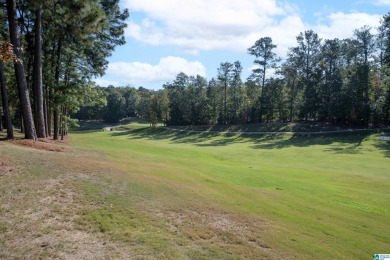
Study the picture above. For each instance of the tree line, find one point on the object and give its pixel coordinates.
(331, 80)
(56, 47)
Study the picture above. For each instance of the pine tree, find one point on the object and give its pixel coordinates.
(29, 126)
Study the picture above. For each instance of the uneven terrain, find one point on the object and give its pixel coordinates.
(142, 193)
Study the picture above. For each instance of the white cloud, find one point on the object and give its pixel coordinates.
(342, 25)
(198, 25)
(146, 32)
(138, 73)
(382, 2)
(284, 33)
(104, 83)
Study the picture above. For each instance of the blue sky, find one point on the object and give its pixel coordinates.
(166, 37)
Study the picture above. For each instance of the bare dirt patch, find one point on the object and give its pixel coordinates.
(6, 167)
(229, 231)
(40, 207)
(46, 144)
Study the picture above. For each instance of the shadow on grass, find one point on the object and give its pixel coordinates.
(384, 146)
(298, 126)
(349, 143)
(89, 125)
(206, 139)
(162, 134)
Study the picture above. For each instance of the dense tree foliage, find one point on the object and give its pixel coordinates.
(57, 47)
(330, 80)
(266, 59)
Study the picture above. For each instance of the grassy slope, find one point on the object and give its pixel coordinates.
(154, 194)
(42, 206)
(185, 195)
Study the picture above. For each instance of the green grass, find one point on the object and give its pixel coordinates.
(298, 196)
(85, 125)
(137, 124)
(126, 124)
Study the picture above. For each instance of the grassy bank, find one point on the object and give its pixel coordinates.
(286, 195)
(156, 194)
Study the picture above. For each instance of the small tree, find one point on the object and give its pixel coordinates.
(115, 107)
(266, 59)
(163, 103)
(224, 75)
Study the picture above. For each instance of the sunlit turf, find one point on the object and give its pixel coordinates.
(311, 197)
(125, 124)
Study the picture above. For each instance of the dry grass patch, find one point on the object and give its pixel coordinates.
(213, 230)
(6, 166)
(46, 144)
(40, 205)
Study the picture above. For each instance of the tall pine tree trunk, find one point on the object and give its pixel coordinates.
(57, 81)
(292, 100)
(367, 111)
(262, 98)
(40, 117)
(45, 109)
(4, 97)
(387, 107)
(29, 127)
(225, 105)
(55, 122)
(1, 122)
(61, 125)
(64, 124)
(49, 110)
